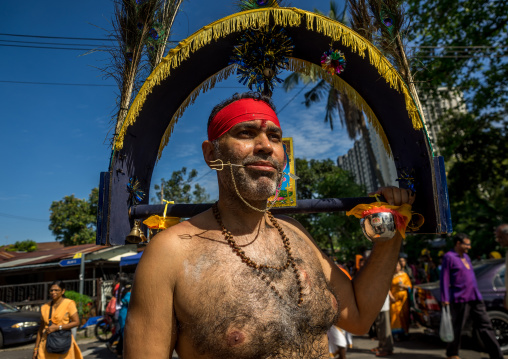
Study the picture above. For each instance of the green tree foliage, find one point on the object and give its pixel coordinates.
(73, 220)
(477, 177)
(23, 246)
(83, 303)
(334, 232)
(462, 47)
(179, 188)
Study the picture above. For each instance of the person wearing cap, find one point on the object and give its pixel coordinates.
(236, 281)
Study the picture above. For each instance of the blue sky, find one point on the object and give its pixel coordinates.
(56, 138)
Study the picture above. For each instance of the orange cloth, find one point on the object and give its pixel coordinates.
(399, 310)
(158, 222)
(345, 272)
(357, 261)
(60, 316)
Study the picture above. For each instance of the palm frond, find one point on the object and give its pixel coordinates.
(333, 107)
(333, 13)
(354, 118)
(292, 81)
(361, 19)
(317, 93)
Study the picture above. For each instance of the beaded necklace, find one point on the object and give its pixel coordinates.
(261, 268)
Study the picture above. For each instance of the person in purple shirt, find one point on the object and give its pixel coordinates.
(460, 291)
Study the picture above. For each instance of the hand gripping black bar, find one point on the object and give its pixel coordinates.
(303, 206)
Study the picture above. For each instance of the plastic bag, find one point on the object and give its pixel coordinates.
(111, 307)
(446, 326)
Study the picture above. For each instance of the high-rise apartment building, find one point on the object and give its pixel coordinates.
(434, 108)
(357, 160)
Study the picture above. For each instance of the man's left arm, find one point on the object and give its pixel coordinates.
(361, 299)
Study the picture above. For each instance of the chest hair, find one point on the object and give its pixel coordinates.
(236, 313)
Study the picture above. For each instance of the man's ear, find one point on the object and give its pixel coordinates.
(208, 152)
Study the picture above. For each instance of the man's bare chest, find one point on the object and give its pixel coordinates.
(229, 309)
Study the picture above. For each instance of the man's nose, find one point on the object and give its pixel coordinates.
(263, 143)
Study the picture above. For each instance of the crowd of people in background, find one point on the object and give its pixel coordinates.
(117, 308)
(395, 319)
(391, 325)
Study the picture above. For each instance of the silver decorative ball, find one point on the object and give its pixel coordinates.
(379, 227)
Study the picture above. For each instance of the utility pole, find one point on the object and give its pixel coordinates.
(82, 274)
(162, 192)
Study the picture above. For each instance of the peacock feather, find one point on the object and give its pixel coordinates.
(389, 20)
(245, 5)
(158, 34)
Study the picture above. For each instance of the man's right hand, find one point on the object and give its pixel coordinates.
(446, 303)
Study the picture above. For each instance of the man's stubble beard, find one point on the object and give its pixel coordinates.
(252, 186)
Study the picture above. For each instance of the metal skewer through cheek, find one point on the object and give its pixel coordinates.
(220, 166)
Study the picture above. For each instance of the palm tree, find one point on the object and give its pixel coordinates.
(337, 104)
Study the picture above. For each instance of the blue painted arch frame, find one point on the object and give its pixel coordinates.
(169, 86)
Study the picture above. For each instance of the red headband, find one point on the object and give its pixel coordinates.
(247, 109)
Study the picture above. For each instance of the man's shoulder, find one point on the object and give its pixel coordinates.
(176, 239)
(173, 237)
(292, 223)
(298, 228)
(450, 254)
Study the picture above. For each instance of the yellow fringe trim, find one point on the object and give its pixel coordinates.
(306, 67)
(206, 85)
(288, 17)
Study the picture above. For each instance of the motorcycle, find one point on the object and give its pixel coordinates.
(105, 328)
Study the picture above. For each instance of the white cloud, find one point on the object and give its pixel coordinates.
(15, 197)
(312, 137)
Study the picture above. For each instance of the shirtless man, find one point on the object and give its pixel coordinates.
(234, 282)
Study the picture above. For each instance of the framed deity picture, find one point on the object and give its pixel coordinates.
(285, 196)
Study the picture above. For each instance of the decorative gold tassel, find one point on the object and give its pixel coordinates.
(288, 17)
(206, 85)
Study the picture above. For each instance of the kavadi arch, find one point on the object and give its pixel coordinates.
(369, 80)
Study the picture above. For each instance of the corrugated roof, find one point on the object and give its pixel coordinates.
(5, 255)
(46, 255)
(22, 261)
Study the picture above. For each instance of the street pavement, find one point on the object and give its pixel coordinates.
(91, 348)
(419, 346)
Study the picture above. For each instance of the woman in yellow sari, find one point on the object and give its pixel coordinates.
(399, 303)
(64, 316)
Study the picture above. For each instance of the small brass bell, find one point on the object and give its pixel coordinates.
(136, 235)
